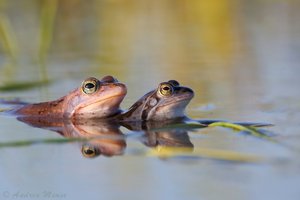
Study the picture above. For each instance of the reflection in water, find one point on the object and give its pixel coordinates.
(160, 133)
(105, 138)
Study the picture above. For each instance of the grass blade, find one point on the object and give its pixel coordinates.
(16, 86)
(249, 129)
(8, 38)
(22, 143)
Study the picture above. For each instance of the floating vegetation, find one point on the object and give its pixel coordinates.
(15, 86)
(254, 131)
(250, 128)
(21, 143)
(187, 126)
(2, 110)
(246, 124)
(225, 155)
(159, 151)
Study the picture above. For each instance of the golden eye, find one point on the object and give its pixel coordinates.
(89, 86)
(89, 151)
(165, 89)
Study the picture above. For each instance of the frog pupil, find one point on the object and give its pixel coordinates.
(89, 151)
(89, 85)
(166, 88)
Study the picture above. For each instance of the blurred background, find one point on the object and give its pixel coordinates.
(223, 49)
(240, 57)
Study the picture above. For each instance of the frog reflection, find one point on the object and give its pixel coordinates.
(160, 134)
(103, 137)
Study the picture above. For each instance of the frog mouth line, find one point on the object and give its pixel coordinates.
(97, 102)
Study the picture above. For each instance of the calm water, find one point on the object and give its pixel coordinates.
(241, 58)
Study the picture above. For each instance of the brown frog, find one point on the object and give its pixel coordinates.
(93, 99)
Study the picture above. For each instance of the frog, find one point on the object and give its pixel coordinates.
(167, 101)
(92, 99)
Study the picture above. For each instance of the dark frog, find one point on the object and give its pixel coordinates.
(167, 101)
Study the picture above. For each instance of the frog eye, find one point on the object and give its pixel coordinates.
(89, 86)
(89, 151)
(166, 89)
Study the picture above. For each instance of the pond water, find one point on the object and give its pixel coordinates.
(241, 58)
